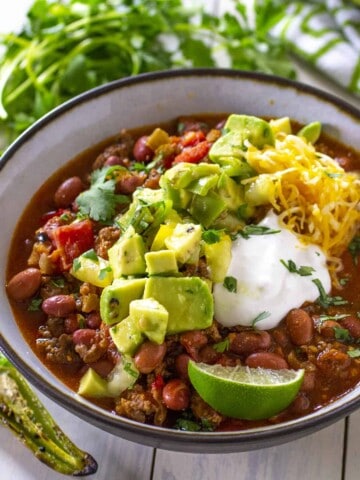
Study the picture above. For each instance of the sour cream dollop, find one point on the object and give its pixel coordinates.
(265, 288)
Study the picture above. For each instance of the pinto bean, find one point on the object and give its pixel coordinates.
(300, 326)
(68, 191)
(193, 341)
(352, 324)
(181, 365)
(142, 152)
(266, 360)
(24, 284)
(176, 395)
(59, 305)
(149, 356)
(247, 342)
(84, 336)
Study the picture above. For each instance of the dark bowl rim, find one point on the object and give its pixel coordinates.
(146, 434)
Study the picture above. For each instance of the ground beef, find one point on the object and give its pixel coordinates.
(105, 239)
(203, 411)
(122, 150)
(58, 350)
(140, 405)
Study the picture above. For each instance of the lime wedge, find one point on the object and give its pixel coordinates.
(243, 392)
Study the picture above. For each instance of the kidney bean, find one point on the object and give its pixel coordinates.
(176, 395)
(59, 305)
(24, 284)
(246, 342)
(102, 367)
(308, 383)
(141, 151)
(209, 355)
(352, 324)
(181, 365)
(84, 336)
(266, 360)
(113, 160)
(333, 362)
(71, 323)
(149, 356)
(193, 341)
(68, 191)
(93, 320)
(300, 326)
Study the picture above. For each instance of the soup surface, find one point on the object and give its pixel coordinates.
(226, 240)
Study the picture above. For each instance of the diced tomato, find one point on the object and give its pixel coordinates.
(158, 383)
(72, 240)
(193, 154)
(54, 213)
(189, 139)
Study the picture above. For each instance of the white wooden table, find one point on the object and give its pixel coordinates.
(330, 454)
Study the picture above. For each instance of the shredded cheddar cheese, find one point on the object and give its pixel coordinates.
(313, 195)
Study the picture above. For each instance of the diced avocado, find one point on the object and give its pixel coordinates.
(261, 191)
(92, 385)
(254, 129)
(126, 256)
(115, 299)
(162, 234)
(206, 209)
(228, 150)
(185, 241)
(161, 262)
(179, 197)
(231, 192)
(202, 185)
(151, 318)
(281, 125)
(122, 376)
(182, 175)
(126, 336)
(93, 269)
(218, 257)
(188, 301)
(310, 132)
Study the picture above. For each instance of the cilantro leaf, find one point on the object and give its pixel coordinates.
(326, 300)
(354, 353)
(260, 317)
(354, 248)
(303, 271)
(230, 283)
(250, 230)
(211, 236)
(222, 346)
(100, 201)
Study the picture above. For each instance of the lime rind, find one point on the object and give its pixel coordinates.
(244, 392)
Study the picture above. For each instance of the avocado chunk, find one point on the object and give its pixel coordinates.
(161, 262)
(126, 336)
(126, 256)
(311, 132)
(151, 318)
(185, 242)
(218, 257)
(188, 301)
(115, 299)
(92, 385)
(281, 124)
(91, 268)
(254, 129)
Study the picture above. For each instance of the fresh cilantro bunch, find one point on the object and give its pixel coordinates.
(71, 46)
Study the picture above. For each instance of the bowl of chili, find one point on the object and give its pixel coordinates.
(148, 189)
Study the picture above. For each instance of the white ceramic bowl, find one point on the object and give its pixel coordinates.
(143, 100)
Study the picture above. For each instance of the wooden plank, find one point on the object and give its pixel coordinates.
(317, 456)
(352, 460)
(117, 458)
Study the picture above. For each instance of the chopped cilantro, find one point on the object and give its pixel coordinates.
(76, 264)
(326, 300)
(250, 230)
(342, 334)
(221, 347)
(354, 248)
(91, 255)
(338, 316)
(260, 317)
(100, 201)
(230, 283)
(211, 236)
(35, 305)
(104, 271)
(303, 271)
(58, 282)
